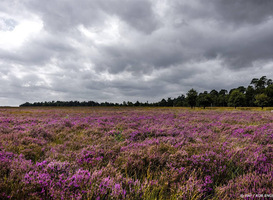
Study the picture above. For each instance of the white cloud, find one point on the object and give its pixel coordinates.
(25, 30)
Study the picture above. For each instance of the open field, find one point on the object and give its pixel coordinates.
(135, 153)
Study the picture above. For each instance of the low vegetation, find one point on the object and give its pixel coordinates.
(135, 153)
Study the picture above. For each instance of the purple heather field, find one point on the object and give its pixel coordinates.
(135, 153)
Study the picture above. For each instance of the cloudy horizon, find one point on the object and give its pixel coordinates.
(121, 50)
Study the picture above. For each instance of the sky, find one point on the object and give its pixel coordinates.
(129, 50)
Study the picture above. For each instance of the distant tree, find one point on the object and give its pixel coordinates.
(146, 103)
(204, 99)
(170, 102)
(241, 89)
(222, 97)
(214, 92)
(163, 102)
(269, 93)
(231, 90)
(261, 100)
(260, 84)
(269, 82)
(242, 96)
(236, 99)
(192, 97)
(129, 103)
(222, 100)
(137, 103)
(223, 92)
(214, 97)
(254, 82)
(180, 100)
(26, 104)
(250, 96)
(92, 103)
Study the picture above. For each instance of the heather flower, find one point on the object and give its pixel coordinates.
(140, 153)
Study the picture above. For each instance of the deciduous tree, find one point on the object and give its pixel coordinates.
(192, 97)
(236, 99)
(261, 100)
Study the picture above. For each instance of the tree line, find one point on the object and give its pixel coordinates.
(258, 93)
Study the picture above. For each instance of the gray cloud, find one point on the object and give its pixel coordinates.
(242, 11)
(232, 12)
(115, 50)
(62, 15)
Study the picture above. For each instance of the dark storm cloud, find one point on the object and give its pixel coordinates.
(142, 58)
(245, 46)
(145, 55)
(138, 14)
(62, 15)
(115, 50)
(235, 12)
(244, 11)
